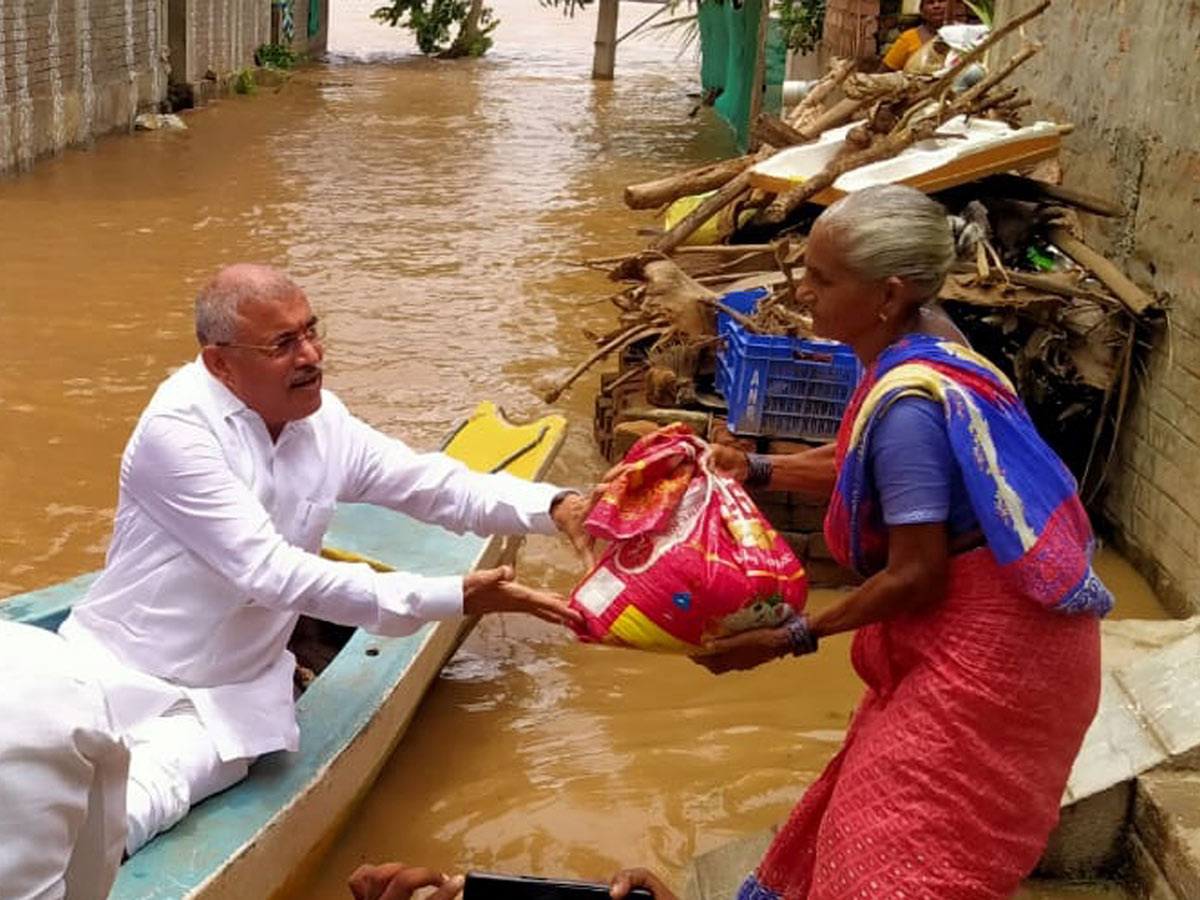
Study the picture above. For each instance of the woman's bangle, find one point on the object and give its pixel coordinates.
(758, 470)
(801, 640)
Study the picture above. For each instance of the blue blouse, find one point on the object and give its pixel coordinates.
(916, 476)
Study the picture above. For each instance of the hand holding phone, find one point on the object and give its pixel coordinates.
(489, 886)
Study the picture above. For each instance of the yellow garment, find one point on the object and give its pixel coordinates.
(906, 45)
(930, 59)
(713, 231)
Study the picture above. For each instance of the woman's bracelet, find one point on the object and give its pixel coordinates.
(801, 640)
(758, 470)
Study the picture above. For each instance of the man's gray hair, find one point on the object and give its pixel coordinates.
(892, 230)
(218, 302)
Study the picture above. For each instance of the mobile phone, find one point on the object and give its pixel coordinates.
(489, 886)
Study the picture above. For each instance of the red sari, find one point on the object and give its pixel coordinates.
(950, 778)
(949, 781)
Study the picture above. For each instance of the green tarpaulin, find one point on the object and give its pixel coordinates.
(314, 17)
(728, 51)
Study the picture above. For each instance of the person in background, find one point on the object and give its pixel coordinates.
(934, 14)
(63, 768)
(227, 486)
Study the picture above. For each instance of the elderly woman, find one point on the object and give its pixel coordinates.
(977, 624)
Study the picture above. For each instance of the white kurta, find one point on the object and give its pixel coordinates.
(214, 553)
(62, 773)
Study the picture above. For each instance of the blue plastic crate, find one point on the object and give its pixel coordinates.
(781, 386)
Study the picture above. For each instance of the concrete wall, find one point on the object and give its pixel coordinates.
(72, 69)
(211, 40)
(1127, 73)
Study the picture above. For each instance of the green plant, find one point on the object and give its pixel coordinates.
(984, 9)
(475, 37)
(243, 82)
(802, 22)
(453, 28)
(430, 21)
(568, 7)
(277, 56)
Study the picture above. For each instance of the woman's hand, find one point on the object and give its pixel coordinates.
(628, 879)
(396, 881)
(731, 461)
(747, 650)
(569, 513)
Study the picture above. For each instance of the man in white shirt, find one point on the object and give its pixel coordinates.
(227, 485)
(63, 772)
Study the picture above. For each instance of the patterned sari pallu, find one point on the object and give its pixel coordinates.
(689, 555)
(1023, 496)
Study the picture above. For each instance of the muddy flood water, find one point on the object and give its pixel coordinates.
(431, 210)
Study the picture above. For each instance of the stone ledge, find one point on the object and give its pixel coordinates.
(717, 875)
(1166, 820)
(1143, 875)
(1090, 839)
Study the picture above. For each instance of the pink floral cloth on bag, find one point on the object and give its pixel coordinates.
(690, 556)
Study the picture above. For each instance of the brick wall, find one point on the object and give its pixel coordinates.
(72, 69)
(859, 29)
(1128, 75)
(851, 27)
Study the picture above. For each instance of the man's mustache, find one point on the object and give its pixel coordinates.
(305, 374)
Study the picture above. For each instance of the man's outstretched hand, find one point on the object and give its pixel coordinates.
(395, 881)
(494, 590)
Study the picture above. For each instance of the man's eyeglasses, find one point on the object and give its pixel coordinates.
(287, 345)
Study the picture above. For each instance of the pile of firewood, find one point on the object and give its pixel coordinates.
(1068, 337)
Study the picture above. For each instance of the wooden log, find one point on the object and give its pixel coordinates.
(773, 130)
(653, 194)
(976, 93)
(1137, 300)
(948, 78)
(696, 420)
(807, 108)
(1051, 285)
(839, 114)
(732, 249)
(874, 87)
(687, 226)
(886, 147)
(905, 134)
(1019, 187)
(626, 337)
(723, 265)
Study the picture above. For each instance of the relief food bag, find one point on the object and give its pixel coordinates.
(689, 557)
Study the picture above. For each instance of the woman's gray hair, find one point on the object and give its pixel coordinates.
(892, 230)
(219, 300)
